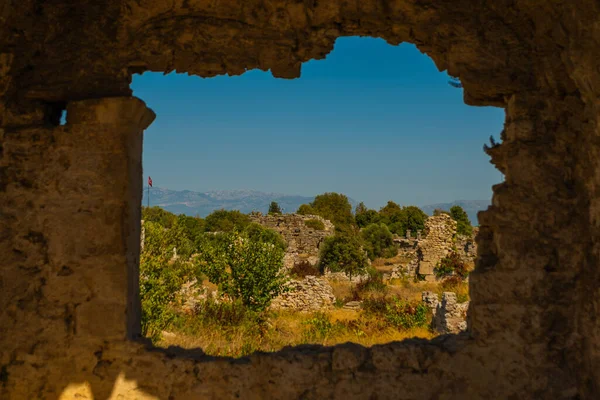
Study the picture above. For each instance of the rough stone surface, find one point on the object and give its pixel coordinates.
(438, 242)
(69, 241)
(309, 294)
(449, 316)
(302, 241)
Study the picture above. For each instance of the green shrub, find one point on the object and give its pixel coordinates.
(226, 221)
(334, 207)
(400, 219)
(405, 314)
(374, 283)
(158, 215)
(378, 241)
(463, 226)
(244, 269)
(343, 253)
(259, 233)
(451, 265)
(274, 208)
(223, 313)
(315, 224)
(161, 278)
(318, 328)
(302, 269)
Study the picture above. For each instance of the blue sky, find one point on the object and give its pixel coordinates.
(373, 121)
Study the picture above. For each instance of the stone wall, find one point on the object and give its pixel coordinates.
(436, 243)
(70, 241)
(309, 294)
(449, 316)
(302, 242)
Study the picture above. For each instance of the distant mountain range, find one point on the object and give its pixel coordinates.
(202, 204)
(471, 207)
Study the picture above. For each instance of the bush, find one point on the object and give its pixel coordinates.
(259, 233)
(451, 265)
(302, 269)
(397, 312)
(367, 218)
(317, 328)
(223, 313)
(315, 224)
(463, 226)
(158, 215)
(374, 283)
(332, 206)
(343, 253)
(379, 241)
(226, 221)
(274, 208)
(161, 278)
(244, 269)
(405, 314)
(400, 219)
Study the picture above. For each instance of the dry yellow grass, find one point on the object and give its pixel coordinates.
(290, 329)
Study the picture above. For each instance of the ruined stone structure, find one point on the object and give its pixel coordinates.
(302, 241)
(439, 241)
(69, 309)
(309, 294)
(439, 231)
(449, 316)
(466, 246)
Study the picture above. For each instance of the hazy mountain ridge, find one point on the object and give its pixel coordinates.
(471, 207)
(198, 203)
(202, 204)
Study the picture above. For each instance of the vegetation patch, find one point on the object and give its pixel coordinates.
(315, 224)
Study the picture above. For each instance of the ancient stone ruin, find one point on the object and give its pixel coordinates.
(439, 231)
(69, 305)
(439, 240)
(309, 294)
(302, 240)
(449, 316)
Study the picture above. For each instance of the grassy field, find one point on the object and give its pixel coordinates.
(391, 311)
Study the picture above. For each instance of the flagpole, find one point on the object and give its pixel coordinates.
(148, 196)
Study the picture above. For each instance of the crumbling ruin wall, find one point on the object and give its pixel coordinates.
(449, 316)
(70, 242)
(309, 294)
(439, 232)
(438, 242)
(303, 242)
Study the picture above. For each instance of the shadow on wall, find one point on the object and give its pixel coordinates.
(132, 370)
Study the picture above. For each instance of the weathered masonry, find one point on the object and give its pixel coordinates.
(69, 241)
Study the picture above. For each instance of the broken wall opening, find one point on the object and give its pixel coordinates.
(320, 130)
(533, 327)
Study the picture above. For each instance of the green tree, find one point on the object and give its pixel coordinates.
(259, 233)
(343, 253)
(305, 209)
(400, 219)
(378, 241)
(158, 215)
(464, 226)
(274, 208)
(336, 208)
(360, 209)
(226, 221)
(193, 227)
(367, 218)
(161, 277)
(244, 269)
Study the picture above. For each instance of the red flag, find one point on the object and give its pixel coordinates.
(149, 181)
